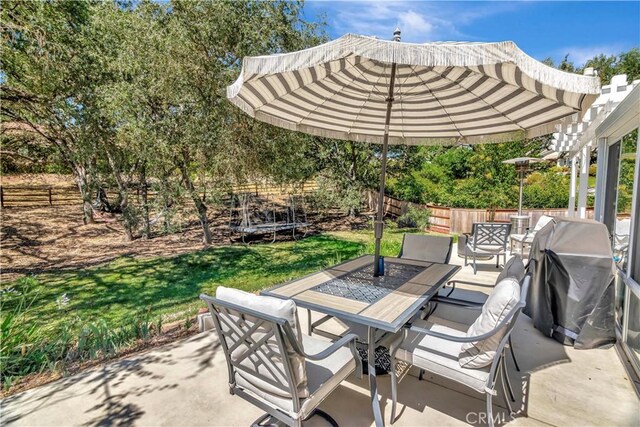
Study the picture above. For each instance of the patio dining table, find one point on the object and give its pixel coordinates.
(349, 291)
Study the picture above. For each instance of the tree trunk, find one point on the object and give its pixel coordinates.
(127, 215)
(201, 208)
(146, 227)
(353, 176)
(85, 193)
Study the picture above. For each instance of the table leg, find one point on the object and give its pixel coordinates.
(373, 386)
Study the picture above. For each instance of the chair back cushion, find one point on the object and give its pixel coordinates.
(504, 297)
(253, 344)
(426, 248)
(513, 268)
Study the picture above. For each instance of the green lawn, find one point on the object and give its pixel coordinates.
(84, 313)
(170, 286)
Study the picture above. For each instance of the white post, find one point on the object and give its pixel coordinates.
(601, 174)
(584, 181)
(572, 188)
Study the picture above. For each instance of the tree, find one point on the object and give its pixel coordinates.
(49, 74)
(629, 63)
(604, 65)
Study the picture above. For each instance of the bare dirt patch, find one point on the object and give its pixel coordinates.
(36, 240)
(38, 179)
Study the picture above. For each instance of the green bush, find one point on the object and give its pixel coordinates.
(546, 190)
(329, 194)
(415, 217)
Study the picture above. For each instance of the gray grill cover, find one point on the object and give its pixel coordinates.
(571, 297)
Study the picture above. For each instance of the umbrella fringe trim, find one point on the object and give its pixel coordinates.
(429, 54)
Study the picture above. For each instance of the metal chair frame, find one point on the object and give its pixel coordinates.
(234, 317)
(498, 366)
(488, 234)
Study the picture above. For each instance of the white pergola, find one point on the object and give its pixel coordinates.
(576, 138)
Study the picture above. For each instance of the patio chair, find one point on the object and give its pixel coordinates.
(475, 357)
(527, 237)
(487, 239)
(271, 364)
(426, 248)
(469, 301)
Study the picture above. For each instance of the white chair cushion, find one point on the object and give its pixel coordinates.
(323, 377)
(501, 301)
(276, 307)
(440, 356)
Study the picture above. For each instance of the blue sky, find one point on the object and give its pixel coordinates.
(541, 29)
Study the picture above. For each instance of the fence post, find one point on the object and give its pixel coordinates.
(1, 196)
(50, 197)
(256, 189)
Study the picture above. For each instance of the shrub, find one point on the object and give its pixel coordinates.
(546, 190)
(415, 217)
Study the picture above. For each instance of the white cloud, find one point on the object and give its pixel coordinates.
(419, 21)
(581, 54)
(414, 23)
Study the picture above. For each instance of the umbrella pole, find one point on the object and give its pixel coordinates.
(379, 223)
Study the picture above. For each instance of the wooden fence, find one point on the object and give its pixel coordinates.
(46, 195)
(38, 195)
(459, 220)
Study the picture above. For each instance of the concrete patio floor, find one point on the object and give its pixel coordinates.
(185, 383)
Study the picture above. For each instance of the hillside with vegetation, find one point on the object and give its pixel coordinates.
(132, 96)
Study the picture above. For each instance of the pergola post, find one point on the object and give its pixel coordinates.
(572, 187)
(585, 157)
(600, 179)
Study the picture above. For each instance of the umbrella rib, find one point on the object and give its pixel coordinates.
(290, 91)
(355, 67)
(482, 100)
(363, 105)
(400, 87)
(320, 104)
(438, 101)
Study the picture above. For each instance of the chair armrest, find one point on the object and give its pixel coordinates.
(464, 282)
(347, 339)
(457, 302)
(452, 284)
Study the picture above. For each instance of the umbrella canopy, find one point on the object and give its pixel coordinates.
(361, 88)
(445, 93)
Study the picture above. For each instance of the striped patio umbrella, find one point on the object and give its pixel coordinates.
(361, 88)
